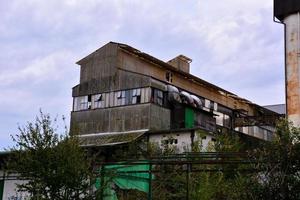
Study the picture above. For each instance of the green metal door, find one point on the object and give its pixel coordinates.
(189, 118)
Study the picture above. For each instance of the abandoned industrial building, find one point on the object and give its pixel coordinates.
(125, 94)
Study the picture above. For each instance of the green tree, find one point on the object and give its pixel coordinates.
(223, 181)
(54, 166)
(279, 161)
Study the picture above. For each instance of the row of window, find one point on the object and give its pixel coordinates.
(145, 95)
(118, 98)
(256, 131)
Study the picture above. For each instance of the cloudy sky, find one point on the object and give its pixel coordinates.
(233, 43)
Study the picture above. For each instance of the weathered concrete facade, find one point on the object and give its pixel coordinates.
(122, 89)
(120, 119)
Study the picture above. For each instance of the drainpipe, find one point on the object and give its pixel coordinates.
(285, 61)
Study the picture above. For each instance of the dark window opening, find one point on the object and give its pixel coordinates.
(169, 77)
(89, 101)
(136, 96)
(158, 97)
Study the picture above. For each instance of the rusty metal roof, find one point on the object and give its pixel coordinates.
(110, 139)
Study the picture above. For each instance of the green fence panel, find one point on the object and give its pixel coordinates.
(126, 177)
(131, 176)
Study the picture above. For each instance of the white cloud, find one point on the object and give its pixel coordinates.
(50, 67)
(233, 43)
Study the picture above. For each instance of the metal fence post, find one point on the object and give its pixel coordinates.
(150, 182)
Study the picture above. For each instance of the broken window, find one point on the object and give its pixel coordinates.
(121, 98)
(98, 101)
(227, 121)
(170, 141)
(222, 119)
(209, 105)
(219, 118)
(158, 97)
(136, 96)
(89, 103)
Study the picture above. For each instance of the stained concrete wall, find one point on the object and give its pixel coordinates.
(160, 118)
(100, 64)
(112, 68)
(184, 141)
(101, 72)
(117, 119)
(121, 81)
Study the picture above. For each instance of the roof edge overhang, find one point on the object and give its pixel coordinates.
(134, 135)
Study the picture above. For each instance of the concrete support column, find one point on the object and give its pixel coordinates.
(293, 67)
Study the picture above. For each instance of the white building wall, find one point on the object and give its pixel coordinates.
(182, 141)
(10, 188)
(10, 191)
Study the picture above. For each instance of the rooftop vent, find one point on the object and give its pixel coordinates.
(181, 62)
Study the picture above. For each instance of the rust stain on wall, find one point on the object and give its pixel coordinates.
(293, 99)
